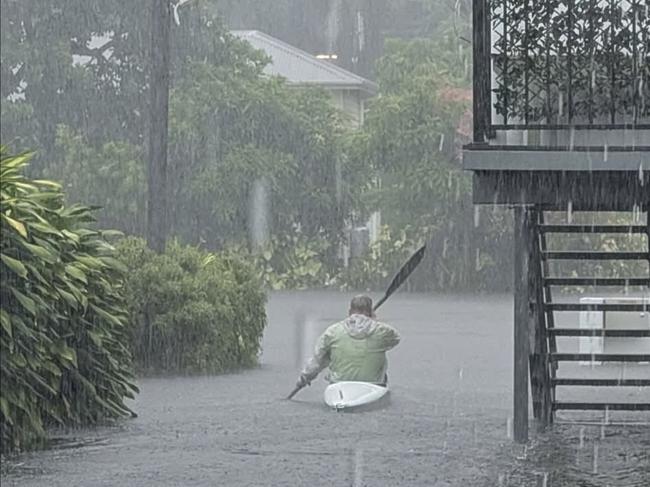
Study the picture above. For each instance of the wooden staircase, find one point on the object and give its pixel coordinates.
(545, 358)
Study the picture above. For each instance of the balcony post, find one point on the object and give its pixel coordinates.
(481, 70)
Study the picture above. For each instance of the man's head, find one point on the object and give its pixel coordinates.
(361, 305)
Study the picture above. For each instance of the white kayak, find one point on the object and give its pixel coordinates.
(346, 395)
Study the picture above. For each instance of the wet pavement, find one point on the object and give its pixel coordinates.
(447, 424)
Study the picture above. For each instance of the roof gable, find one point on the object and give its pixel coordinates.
(300, 67)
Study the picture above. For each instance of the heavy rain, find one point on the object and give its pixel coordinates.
(325, 242)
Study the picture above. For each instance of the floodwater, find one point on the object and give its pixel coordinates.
(447, 424)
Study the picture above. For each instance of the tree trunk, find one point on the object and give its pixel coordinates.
(157, 221)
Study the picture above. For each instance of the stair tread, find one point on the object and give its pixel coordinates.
(636, 307)
(583, 228)
(569, 381)
(601, 357)
(598, 332)
(597, 281)
(613, 406)
(594, 255)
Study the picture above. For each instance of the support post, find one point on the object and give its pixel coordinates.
(536, 321)
(540, 378)
(521, 323)
(481, 48)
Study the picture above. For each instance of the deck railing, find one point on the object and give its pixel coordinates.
(561, 64)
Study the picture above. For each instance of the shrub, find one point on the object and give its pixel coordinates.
(291, 261)
(191, 310)
(64, 359)
(374, 269)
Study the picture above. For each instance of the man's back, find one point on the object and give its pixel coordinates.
(355, 350)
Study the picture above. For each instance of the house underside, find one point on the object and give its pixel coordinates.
(562, 124)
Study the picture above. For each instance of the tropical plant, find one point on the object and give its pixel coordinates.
(191, 310)
(292, 261)
(64, 356)
(412, 138)
(373, 270)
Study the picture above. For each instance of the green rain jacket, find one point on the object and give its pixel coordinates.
(354, 349)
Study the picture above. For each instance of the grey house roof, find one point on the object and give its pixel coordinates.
(301, 68)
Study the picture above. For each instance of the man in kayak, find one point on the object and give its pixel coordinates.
(354, 349)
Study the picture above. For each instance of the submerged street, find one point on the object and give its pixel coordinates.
(164, 165)
(447, 424)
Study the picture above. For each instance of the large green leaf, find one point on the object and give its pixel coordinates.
(4, 407)
(69, 298)
(5, 321)
(25, 301)
(50, 184)
(106, 315)
(65, 352)
(18, 360)
(15, 224)
(44, 228)
(40, 252)
(16, 162)
(15, 265)
(76, 272)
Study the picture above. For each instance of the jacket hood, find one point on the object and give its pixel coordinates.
(359, 326)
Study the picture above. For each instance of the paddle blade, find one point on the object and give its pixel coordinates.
(294, 392)
(402, 275)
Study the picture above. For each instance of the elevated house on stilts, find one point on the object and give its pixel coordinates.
(562, 124)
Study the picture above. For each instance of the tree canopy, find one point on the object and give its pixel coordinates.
(74, 83)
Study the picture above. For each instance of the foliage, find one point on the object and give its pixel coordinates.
(110, 175)
(87, 65)
(624, 242)
(570, 62)
(229, 123)
(253, 128)
(411, 139)
(62, 312)
(191, 310)
(355, 29)
(103, 96)
(373, 271)
(352, 29)
(292, 261)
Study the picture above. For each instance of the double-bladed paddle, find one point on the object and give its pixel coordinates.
(402, 275)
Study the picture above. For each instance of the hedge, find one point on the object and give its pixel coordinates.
(191, 311)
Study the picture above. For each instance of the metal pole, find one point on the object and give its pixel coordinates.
(157, 224)
(521, 319)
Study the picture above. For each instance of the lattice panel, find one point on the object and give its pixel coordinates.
(571, 61)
